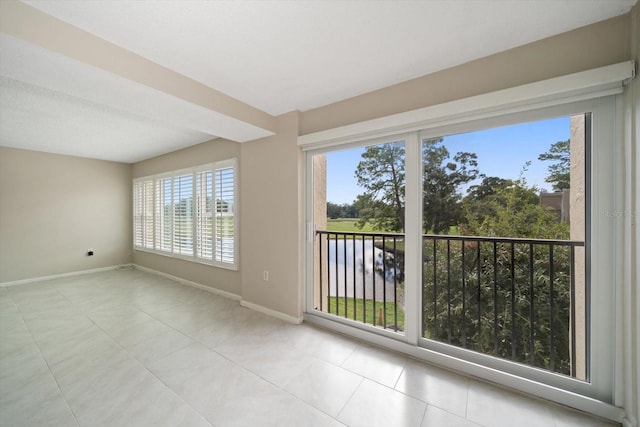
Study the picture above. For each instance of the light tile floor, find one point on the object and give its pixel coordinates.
(126, 348)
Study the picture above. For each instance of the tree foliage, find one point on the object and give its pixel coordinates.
(442, 177)
(559, 170)
(344, 210)
(496, 298)
(509, 208)
(381, 173)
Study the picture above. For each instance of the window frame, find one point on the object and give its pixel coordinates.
(595, 396)
(156, 242)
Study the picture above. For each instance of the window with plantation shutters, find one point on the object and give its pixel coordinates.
(225, 214)
(204, 215)
(188, 214)
(143, 213)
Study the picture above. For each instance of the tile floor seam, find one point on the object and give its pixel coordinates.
(44, 359)
(424, 414)
(301, 400)
(248, 370)
(349, 399)
(168, 387)
(395, 384)
(466, 400)
(172, 328)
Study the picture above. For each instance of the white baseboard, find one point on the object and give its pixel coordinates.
(222, 293)
(235, 297)
(59, 276)
(272, 313)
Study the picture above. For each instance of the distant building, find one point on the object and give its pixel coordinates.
(559, 202)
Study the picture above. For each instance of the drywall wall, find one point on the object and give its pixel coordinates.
(582, 49)
(207, 152)
(271, 219)
(54, 208)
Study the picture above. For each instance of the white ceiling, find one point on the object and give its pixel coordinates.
(277, 56)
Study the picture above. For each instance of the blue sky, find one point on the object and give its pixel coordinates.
(501, 152)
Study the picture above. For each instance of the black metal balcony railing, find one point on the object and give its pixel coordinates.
(360, 277)
(507, 297)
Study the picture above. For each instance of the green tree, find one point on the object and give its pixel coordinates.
(381, 172)
(559, 171)
(514, 211)
(344, 210)
(495, 298)
(508, 208)
(442, 177)
(333, 210)
(382, 175)
(482, 200)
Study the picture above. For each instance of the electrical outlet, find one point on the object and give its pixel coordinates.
(265, 275)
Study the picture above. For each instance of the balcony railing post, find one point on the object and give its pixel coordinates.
(373, 276)
(355, 305)
(337, 298)
(449, 291)
(495, 297)
(364, 284)
(572, 309)
(395, 284)
(478, 328)
(344, 250)
(513, 302)
(320, 267)
(552, 297)
(435, 289)
(532, 346)
(384, 283)
(464, 299)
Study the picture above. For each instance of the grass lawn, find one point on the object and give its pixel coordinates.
(347, 224)
(368, 305)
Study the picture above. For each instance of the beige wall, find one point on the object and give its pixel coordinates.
(200, 154)
(53, 208)
(271, 219)
(589, 47)
(210, 151)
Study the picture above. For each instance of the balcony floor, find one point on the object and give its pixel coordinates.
(132, 349)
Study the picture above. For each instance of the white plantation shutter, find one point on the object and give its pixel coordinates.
(183, 215)
(204, 215)
(143, 213)
(164, 214)
(225, 214)
(189, 214)
(138, 206)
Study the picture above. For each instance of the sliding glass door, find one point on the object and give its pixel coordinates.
(480, 240)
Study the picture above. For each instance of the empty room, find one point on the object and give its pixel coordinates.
(319, 213)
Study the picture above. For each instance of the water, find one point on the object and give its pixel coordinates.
(354, 266)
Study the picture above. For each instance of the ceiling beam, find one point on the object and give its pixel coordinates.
(27, 23)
